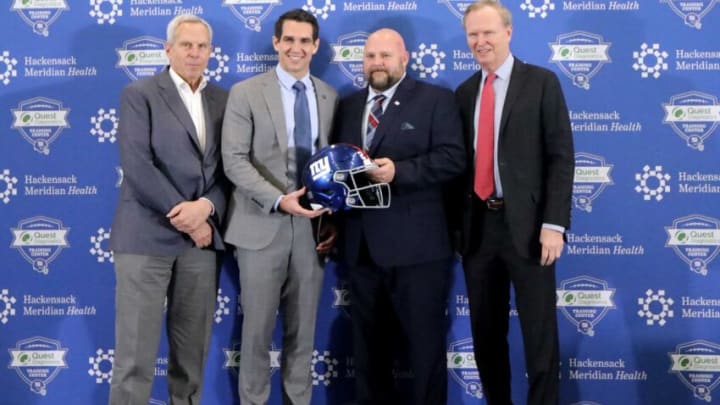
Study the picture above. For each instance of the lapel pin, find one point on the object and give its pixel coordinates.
(397, 102)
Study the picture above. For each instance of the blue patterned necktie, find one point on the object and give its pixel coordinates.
(374, 119)
(302, 132)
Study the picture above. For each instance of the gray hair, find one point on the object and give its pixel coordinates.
(185, 18)
(505, 14)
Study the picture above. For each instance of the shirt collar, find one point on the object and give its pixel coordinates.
(389, 93)
(181, 84)
(503, 72)
(287, 80)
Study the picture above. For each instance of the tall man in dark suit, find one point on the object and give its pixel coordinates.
(399, 258)
(516, 204)
(165, 233)
(274, 122)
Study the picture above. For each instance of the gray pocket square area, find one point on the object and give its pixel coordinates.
(406, 126)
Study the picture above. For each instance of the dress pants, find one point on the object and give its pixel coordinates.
(408, 299)
(189, 282)
(490, 266)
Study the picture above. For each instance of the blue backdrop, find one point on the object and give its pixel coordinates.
(638, 287)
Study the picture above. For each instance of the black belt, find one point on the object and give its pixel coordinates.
(495, 204)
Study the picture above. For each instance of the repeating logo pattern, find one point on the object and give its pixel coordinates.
(652, 183)
(40, 120)
(462, 367)
(96, 248)
(585, 301)
(348, 55)
(37, 361)
(40, 240)
(7, 303)
(251, 13)
(323, 367)
(425, 53)
(457, 7)
(221, 67)
(105, 125)
(222, 309)
(9, 186)
(322, 11)
(580, 55)
(592, 175)
(697, 365)
(655, 308)
(693, 116)
(109, 15)
(142, 57)
(534, 10)
(644, 60)
(9, 70)
(696, 240)
(691, 12)
(101, 365)
(39, 14)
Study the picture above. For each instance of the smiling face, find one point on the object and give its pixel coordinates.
(384, 59)
(295, 47)
(488, 37)
(189, 52)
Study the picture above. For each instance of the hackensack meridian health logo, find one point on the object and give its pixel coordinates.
(321, 11)
(7, 308)
(101, 365)
(7, 186)
(655, 307)
(39, 14)
(427, 60)
(585, 301)
(580, 55)
(348, 55)
(9, 69)
(97, 249)
(105, 11)
(40, 121)
(592, 175)
(697, 365)
(696, 240)
(652, 183)
(251, 12)
(105, 125)
(323, 368)
(142, 56)
(537, 8)
(40, 240)
(220, 62)
(693, 116)
(650, 60)
(38, 360)
(691, 11)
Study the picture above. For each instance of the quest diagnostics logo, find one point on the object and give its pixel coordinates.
(693, 116)
(585, 301)
(141, 57)
(592, 176)
(580, 55)
(37, 361)
(40, 240)
(691, 12)
(462, 367)
(696, 240)
(39, 14)
(251, 12)
(348, 55)
(40, 121)
(697, 365)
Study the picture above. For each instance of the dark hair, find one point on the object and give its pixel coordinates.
(298, 15)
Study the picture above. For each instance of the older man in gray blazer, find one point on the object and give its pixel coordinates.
(165, 233)
(273, 123)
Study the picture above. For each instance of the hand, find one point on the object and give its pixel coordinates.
(328, 233)
(385, 173)
(290, 203)
(202, 236)
(552, 245)
(189, 215)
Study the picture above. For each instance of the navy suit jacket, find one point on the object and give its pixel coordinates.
(535, 156)
(163, 166)
(420, 132)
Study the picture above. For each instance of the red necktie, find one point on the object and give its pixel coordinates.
(484, 176)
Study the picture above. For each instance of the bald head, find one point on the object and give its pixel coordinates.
(385, 59)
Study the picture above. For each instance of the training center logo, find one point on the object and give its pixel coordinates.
(697, 365)
(691, 11)
(655, 307)
(105, 125)
(101, 366)
(251, 13)
(38, 360)
(348, 54)
(646, 56)
(96, 246)
(9, 70)
(534, 10)
(40, 240)
(105, 11)
(8, 188)
(40, 120)
(427, 54)
(585, 301)
(221, 65)
(652, 183)
(222, 309)
(232, 358)
(457, 7)
(141, 57)
(693, 116)
(462, 367)
(592, 175)
(39, 14)
(580, 55)
(319, 12)
(323, 367)
(696, 240)
(7, 302)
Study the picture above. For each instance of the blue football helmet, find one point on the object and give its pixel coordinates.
(335, 177)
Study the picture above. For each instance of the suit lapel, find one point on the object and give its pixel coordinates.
(392, 112)
(170, 94)
(325, 109)
(517, 81)
(209, 102)
(468, 104)
(273, 98)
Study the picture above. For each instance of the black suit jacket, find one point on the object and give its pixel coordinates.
(535, 156)
(420, 132)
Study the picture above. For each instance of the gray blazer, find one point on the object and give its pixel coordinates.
(163, 166)
(255, 155)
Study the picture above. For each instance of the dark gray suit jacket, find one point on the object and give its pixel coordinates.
(163, 166)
